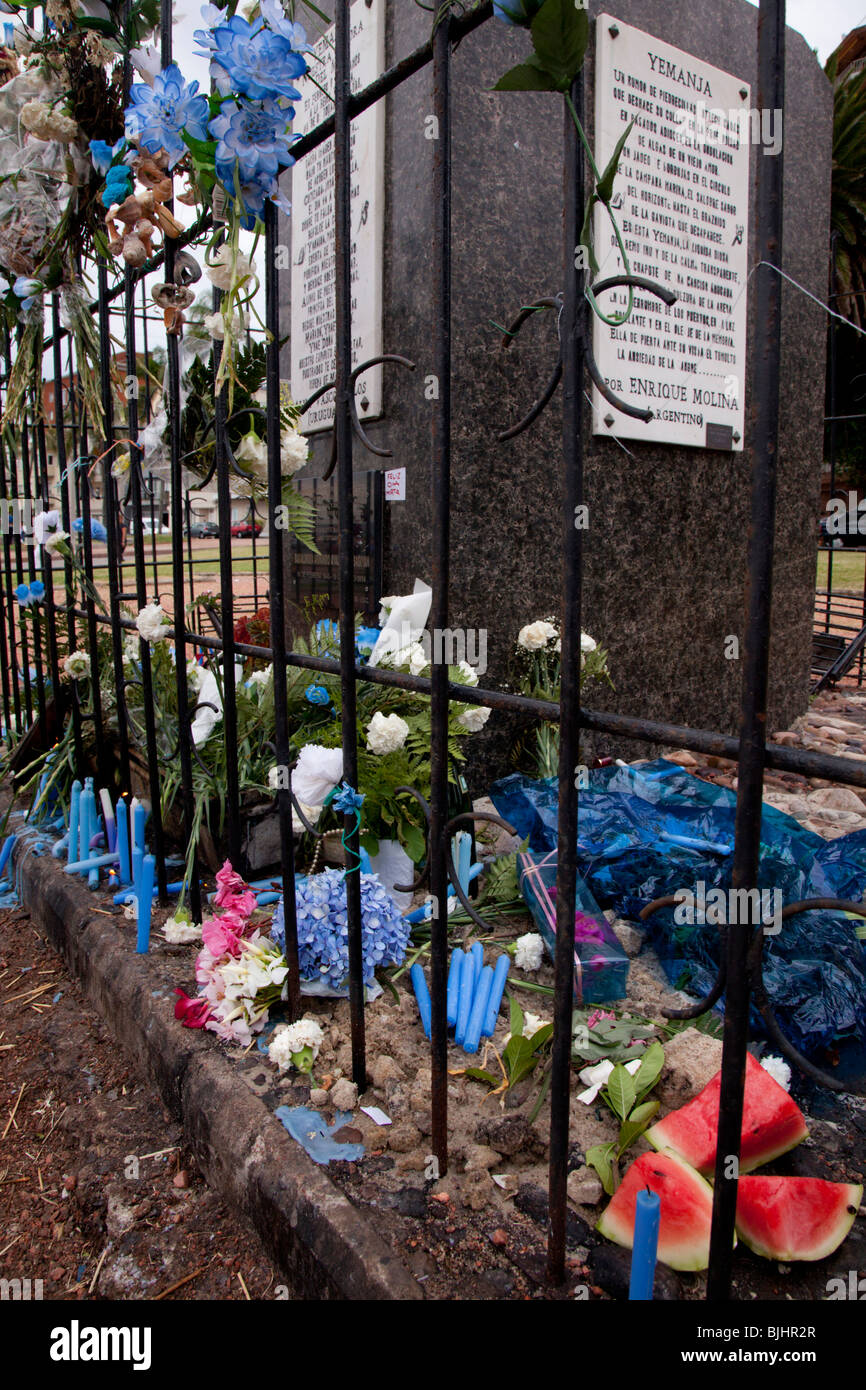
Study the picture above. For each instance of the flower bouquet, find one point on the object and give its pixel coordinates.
(600, 963)
(537, 659)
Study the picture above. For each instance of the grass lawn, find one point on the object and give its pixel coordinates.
(848, 568)
(205, 556)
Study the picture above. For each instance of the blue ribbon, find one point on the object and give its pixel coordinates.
(344, 798)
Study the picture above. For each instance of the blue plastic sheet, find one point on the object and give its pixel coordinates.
(647, 832)
(313, 1133)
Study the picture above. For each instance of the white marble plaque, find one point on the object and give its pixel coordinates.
(681, 198)
(313, 334)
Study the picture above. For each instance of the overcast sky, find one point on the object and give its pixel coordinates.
(823, 23)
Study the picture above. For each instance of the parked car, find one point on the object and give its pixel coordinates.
(150, 528)
(246, 528)
(840, 534)
(200, 530)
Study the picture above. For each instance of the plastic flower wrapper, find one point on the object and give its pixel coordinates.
(318, 772)
(323, 947)
(403, 619)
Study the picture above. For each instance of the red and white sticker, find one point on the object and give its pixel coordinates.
(395, 485)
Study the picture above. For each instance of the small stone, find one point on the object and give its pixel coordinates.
(415, 1161)
(344, 1094)
(837, 799)
(318, 1098)
(683, 757)
(347, 1135)
(786, 739)
(507, 1134)
(692, 1059)
(584, 1188)
(403, 1137)
(384, 1069)
(181, 1179)
(480, 1156)
(629, 938)
(499, 1237)
(56, 1273)
(477, 1189)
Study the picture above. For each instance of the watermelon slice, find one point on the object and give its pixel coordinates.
(795, 1218)
(772, 1123)
(686, 1209)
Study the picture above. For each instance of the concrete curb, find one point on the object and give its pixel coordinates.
(324, 1245)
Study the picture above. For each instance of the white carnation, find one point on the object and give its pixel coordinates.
(177, 931)
(293, 1038)
(294, 451)
(779, 1070)
(153, 622)
(262, 678)
(54, 542)
(529, 951)
(386, 733)
(47, 124)
(227, 270)
(76, 665)
(468, 674)
(317, 773)
(215, 325)
(474, 718)
(536, 635)
(587, 643)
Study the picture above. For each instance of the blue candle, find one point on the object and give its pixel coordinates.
(454, 985)
(137, 857)
(8, 846)
(464, 853)
(123, 840)
(145, 903)
(477, 964)
(646, 1238)
(467, 991)
(479, 1010)
(422, 994)
(88, 865)
(500, 975)
(139, 815)
(84, 818)
(74, 811)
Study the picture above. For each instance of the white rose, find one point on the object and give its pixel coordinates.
(153, 622)
(536, 635)
(474, 718)
(252, 453)
(76, 665)
(294, 451)
(529, 951)
(386, 733)
(317, 773)
(262, 678)
(587, 643)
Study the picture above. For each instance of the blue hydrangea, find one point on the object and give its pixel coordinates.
(158, 114)
(323, 933)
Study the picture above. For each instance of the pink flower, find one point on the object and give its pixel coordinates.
(228, 884)
(600, 1016)
(192, 1013)
(241, 905)
(220, 938)
(585, 929)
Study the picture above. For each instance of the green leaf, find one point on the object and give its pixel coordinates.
(604, 188)
(526, 77)
(560, 33)
(370, 844)
(414, 843)
(621, 1092)
(515, 1018)
(586, 235)
(649, 1070)
(635, 1125)
(600, 1157)
(540, 1036)
(479, 1074)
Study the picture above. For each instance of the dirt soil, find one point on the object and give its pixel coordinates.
(99, 1197)
(478, 1233)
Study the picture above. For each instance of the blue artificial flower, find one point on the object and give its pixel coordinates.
(29, 291)
(520, 12)
(251, 60)
(253, 145)
(37, 590)
(317, 695)
(22, 593)
(158, 114)
(345, 798)
(103, 155)
(323, 932)
(274, 16)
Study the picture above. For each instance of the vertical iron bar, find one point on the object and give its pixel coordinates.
(278, 608)
(572, 339)
(230, 713)
(141, 583)
(48, 579)
(64, 488)
(753, 709)
(178, 591)
(111, 519)
(29, 492)
(343, 432)
(440, 479)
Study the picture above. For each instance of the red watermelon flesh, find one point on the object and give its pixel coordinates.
(772, 1123)
(795, 1218)
(685, 1212)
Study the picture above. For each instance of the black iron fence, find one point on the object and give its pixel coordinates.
(126, 563)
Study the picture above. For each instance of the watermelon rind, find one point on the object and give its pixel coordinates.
(665, 1134)
(617, 1223)
(759, 1190)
